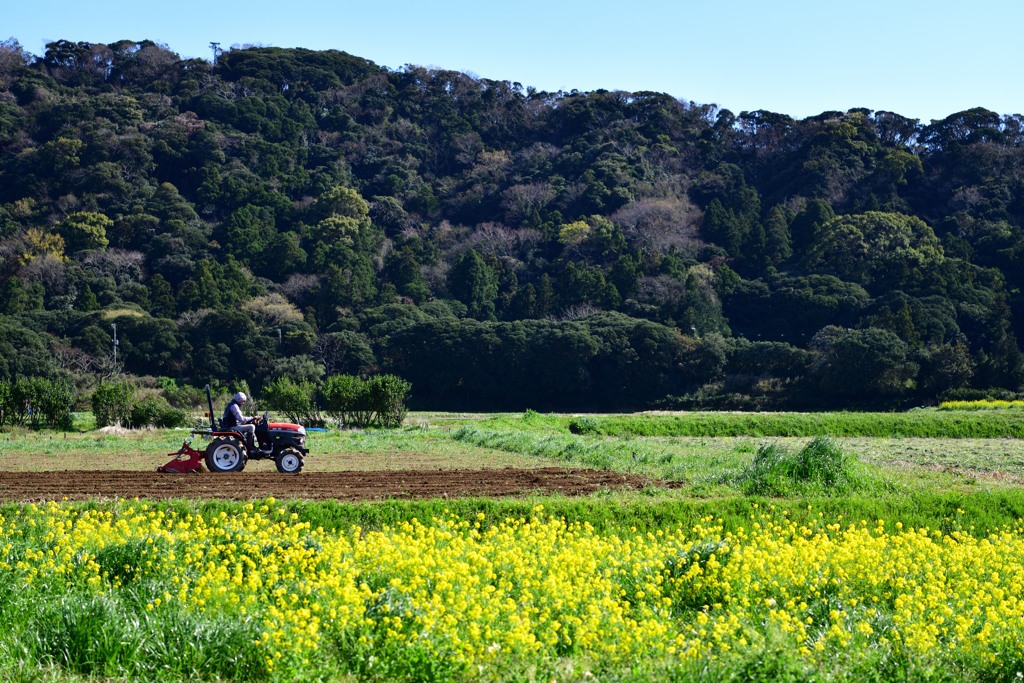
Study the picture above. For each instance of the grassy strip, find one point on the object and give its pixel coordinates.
(924, 424)
(629, 455)
(981, 513)
(662, 460)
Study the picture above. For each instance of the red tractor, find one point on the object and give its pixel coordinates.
(229, 451)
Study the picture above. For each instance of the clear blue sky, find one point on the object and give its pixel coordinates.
(923, 59)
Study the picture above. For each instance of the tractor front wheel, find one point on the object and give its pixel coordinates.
(289, 461)
(225, 455)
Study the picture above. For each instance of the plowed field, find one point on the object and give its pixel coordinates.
(349, 486)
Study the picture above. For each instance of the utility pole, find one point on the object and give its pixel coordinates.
(114, 326)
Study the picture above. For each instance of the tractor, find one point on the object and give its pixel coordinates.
(228, 451)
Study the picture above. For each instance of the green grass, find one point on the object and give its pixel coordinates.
(980, 512)
(919, 423)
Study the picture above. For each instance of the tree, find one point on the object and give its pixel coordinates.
(865, 366)
(20, 296)
(702, 311)
(807, 223)
(250, 232)
(86, 300)
(23, 351)
(12, 59)
(283, 256)
(777, 238)
(879, 250)
(475, 284)
(161, 297)
(943, 367)
(201, 290)
(343, 202)
(404, 271)
(85, 230)
(344, 352)
(722, 227)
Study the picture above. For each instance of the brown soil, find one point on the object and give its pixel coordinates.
(348, 486)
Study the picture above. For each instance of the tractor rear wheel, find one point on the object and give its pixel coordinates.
(225, 455)
(289, 461)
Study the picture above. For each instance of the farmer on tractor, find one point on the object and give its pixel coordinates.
(233, 419)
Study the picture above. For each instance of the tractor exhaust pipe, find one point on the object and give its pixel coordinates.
(209, 401)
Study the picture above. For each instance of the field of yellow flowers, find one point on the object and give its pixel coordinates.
(135, 591)
(985, 404)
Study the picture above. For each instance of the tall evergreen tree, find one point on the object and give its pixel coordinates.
(474, 283)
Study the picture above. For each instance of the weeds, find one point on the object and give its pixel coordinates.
(819, 467)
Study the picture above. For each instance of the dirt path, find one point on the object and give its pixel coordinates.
(347, 486)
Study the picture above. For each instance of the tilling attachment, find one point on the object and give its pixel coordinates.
(186, 460)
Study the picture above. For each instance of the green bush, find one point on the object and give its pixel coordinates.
(387, 400)
(112, 403)
(37, 402)
(154, 411)
(375, 402)
(583, 425)
(346, 400)
(184, 397)
(54, 400)
(297, 400)
(824, 462)
(5, 401)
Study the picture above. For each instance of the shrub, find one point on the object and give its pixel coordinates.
(970, 394)
(583, 425)
(295, 399)
(387, 394)
(5, 402)
(376, 402)
(346, 400)
(154, 411)
(764, 476)
(37, 402)
(112, 403)
(185, 396)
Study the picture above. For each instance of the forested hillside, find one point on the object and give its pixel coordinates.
(284, 212)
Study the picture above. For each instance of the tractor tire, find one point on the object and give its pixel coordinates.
(225, 455)
(289, 461)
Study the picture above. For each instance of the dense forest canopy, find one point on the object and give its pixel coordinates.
(292, 213)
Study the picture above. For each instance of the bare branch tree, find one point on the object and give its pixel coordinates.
(121, 264)
(661, 224)
(503, 242)
(520, 201)
(576, 312)
(299, 285)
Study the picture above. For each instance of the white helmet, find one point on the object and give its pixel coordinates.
(241, 398)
